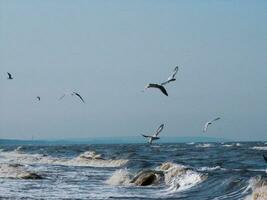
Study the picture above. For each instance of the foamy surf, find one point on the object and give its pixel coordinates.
(17, 171)
(261, 148)
(89, 159)
(258, 185)
(204, 145)
(176, 177)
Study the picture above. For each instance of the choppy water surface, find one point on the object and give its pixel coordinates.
(174, 171)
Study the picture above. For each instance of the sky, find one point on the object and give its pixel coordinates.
(109, 50)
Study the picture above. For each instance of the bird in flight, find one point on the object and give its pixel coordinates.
(209, 123)
(172, 77)
(72, 94)
(155, 135)
(157, 86)
(78, 95)
(9, 76)
(39, 98)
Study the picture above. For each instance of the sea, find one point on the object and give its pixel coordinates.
(188, 171)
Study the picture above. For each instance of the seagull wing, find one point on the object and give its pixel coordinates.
(78, 95)
(174, 72)
(160, 87)
(164, 83)
(146, 136)
(172, 77)
(215, 119)
(206, 127)
(163, 90)
(209, 123)
(264, 157)
(62, 96)
(39, 98)
(160, 128)
(9, 75)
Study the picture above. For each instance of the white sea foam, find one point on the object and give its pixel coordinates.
(16, 171)
(119, 177)
(88, 158)
(258, 187)
(260, 148)
(209, 168)
(191, 143)
(180, 178)
(204, 145)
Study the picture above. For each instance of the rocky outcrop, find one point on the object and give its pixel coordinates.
(147, 177)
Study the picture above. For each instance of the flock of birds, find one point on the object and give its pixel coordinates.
(10, 77)
(160, 87)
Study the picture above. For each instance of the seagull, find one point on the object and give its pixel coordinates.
(209, 123)
(78, 95)
(155, 136)
(9, 76)
(160, 87)
(172, 77)
(264, 157)
(73, 93)
(39, 98)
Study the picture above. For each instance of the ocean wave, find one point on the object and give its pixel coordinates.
(180, 177)
(88, 158)
(17, 171)
(204, 145)
(176, 177)
(209, 168)
(232, 145)
(260, 148)
(119, 177)
(190, 143)
(258, 185)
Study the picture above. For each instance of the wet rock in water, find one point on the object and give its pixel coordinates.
(146, 178)
(259, 193)
(30, 175)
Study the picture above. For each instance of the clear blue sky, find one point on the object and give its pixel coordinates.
(109, 50)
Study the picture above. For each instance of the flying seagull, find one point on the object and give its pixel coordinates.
(78, 95)
(160, 87)
(9, 76)
(209, 123)
(155, 136)
(264, 157)
(39, 98)
(72, 94)
(172, 77)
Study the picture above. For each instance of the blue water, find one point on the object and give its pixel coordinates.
(213, 171)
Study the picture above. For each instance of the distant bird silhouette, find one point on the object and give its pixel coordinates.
(155, 136)
(72, 94)
(209, 123)
(9, 76)
(39, 98)
(160, 87)
(172, 77)
(78, 95)
(264, 157)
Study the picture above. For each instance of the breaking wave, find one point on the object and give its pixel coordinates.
(17, 171)
(260, 148)
(176, 177)
(88, 158)
(258, 185)
(204, 145)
